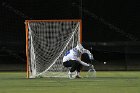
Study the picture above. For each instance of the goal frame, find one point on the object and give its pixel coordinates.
(56, 20)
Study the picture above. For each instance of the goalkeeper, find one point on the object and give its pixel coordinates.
(72, 59)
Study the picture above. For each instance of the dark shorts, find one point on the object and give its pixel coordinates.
(75, 65)
(70, 63)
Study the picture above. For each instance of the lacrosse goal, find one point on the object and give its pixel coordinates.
(46, 43)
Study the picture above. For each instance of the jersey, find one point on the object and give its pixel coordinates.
(72, 54)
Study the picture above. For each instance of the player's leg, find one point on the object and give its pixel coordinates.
(79, 66)
(76, 66)
(73, 65)
(67, 64)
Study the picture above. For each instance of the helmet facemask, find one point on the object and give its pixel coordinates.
(79, 47)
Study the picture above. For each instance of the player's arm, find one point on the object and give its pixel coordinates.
(81, 62)
(89, 53)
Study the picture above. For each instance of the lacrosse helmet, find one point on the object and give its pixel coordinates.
(79, 47)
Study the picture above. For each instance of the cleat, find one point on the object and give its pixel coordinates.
(70, 76)
(77, 76)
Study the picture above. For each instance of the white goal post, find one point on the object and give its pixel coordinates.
(46, 43)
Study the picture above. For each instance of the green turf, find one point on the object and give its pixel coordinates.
(105, 82)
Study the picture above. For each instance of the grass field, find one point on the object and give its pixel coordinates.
(105, 82)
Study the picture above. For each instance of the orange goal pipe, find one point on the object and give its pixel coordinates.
(27, 65)
(55, 20)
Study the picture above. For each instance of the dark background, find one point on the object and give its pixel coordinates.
(110, 28)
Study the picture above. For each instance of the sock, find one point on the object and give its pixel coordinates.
(78, 73)
(69, 72)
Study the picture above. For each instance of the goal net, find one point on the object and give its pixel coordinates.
(46, 43)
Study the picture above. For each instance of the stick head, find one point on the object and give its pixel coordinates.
(91, 72)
